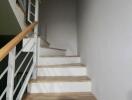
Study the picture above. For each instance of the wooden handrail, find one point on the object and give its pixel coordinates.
(10, 45)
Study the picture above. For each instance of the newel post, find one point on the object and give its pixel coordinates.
(10, 75)
(36, 39)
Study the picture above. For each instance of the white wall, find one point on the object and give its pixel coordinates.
(105, 44)
(60, 17)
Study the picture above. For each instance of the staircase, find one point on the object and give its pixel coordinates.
(59, 77)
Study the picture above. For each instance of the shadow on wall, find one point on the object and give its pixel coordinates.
(129, 96)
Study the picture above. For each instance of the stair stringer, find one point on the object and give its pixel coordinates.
(18, 13)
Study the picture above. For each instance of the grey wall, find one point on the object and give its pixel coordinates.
(60, 17)
(8, 22)
(105, 44)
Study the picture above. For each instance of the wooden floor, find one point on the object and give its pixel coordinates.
(66, 96)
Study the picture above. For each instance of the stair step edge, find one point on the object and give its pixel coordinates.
(60, 79)
(58, 95)
(61, 65)
(63, 94)
(61, 57)
(56, 49)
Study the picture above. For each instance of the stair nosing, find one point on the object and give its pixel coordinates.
(60, 79)
(61, 66)
(44, 56)
(64, 93)
(57, 95)
(57, 49)
(61, 57)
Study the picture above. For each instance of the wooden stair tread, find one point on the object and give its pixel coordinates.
(61, 65)
(60, 79)
(60, 96)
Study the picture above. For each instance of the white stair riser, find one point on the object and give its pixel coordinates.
(59, 87)
(51, 52)
(62, 71)
(58, 60)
